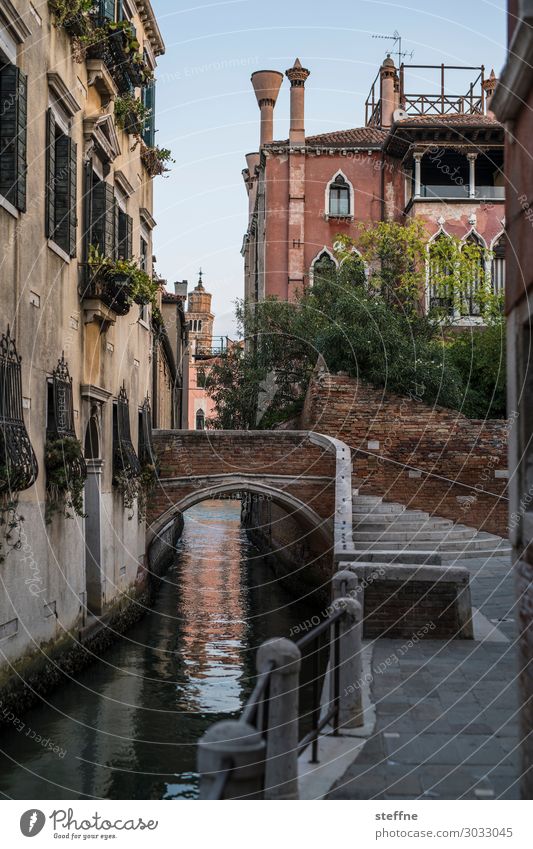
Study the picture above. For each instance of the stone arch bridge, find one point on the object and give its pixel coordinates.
(305, 474)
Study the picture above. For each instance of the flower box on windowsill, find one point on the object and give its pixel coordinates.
(112, 289)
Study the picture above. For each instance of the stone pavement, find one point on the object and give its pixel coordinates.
(447, 722)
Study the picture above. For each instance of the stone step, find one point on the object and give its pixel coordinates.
(457, 546)
(367, 499)
(411, 516)
(375, 509)
(428, 557)
(401, 523)
(438, 536)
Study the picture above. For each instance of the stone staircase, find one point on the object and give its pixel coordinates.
(384, 532)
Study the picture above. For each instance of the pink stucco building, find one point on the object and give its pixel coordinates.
(436, 156)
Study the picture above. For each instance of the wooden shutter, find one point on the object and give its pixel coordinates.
(61, 230)
(13, 122)
(129, 237)
(125, 235)
(103, 218)
(148, 97)
(50, 172)
(73, 197)
(22, 124)
(107, 9)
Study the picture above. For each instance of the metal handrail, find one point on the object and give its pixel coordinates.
(260, 696)
(318, 723)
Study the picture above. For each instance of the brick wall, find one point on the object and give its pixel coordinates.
(458, 464)
(287, 462)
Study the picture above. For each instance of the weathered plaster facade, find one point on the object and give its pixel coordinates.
(72, 569)
(513, 104)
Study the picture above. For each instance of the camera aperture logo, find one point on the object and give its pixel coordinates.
(32, 822)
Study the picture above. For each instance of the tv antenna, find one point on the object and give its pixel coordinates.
(397, 39)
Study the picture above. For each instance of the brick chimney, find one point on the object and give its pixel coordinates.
(297, 77)
(266, 86)
(388, 94)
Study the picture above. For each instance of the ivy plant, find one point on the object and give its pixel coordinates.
(131, 114)
(65, 477)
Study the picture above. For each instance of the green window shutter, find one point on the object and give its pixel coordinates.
(124, 238)
(61, 231)
(129, 237)
(13, 121)
(116, 210)
(73, 197)
(103, 218)
(50, 172)
(148, 99)
(22, 124)
(107, 9)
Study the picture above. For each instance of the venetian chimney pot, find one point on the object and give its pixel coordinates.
(388, 91)
(489, 86)
(266, 86)
(297, 76)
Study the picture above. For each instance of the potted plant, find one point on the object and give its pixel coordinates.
(156, 160)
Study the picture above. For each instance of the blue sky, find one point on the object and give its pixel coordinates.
(207, 113)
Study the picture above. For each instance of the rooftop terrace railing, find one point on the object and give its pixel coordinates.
(438, 103)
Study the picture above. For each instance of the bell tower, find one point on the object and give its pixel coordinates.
(200, 317)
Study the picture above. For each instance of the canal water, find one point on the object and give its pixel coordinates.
(126, 728)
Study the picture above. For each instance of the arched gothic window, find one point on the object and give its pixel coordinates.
(498, 266)
(339, 197)
(442, 272)
(200, 420)
(474, 277)
(323, 266)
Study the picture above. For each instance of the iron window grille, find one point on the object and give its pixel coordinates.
(125, 460)
(146, 446)
(18, 463)
(61, 405)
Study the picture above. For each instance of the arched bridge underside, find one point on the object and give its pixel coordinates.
(306, 474)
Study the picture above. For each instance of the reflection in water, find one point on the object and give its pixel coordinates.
(127, 727)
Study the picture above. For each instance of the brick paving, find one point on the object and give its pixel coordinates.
(447, 722)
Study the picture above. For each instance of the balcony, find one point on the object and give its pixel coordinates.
(119, 51)
(208, 347)
(457, 192)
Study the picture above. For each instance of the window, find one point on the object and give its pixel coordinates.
(13, 123)
(125, 461)
(442, 274)
(124, 235)
(322, 267)
(60, 411)
(144, 254)
(18, 463)
(200, 378)
(200, 420)
(61, 182)
(145, 441)
(103, 217)
(199, 325)
(498, 266)
(339, 197)
(474, 275)
(148, 101)
(110, 10)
